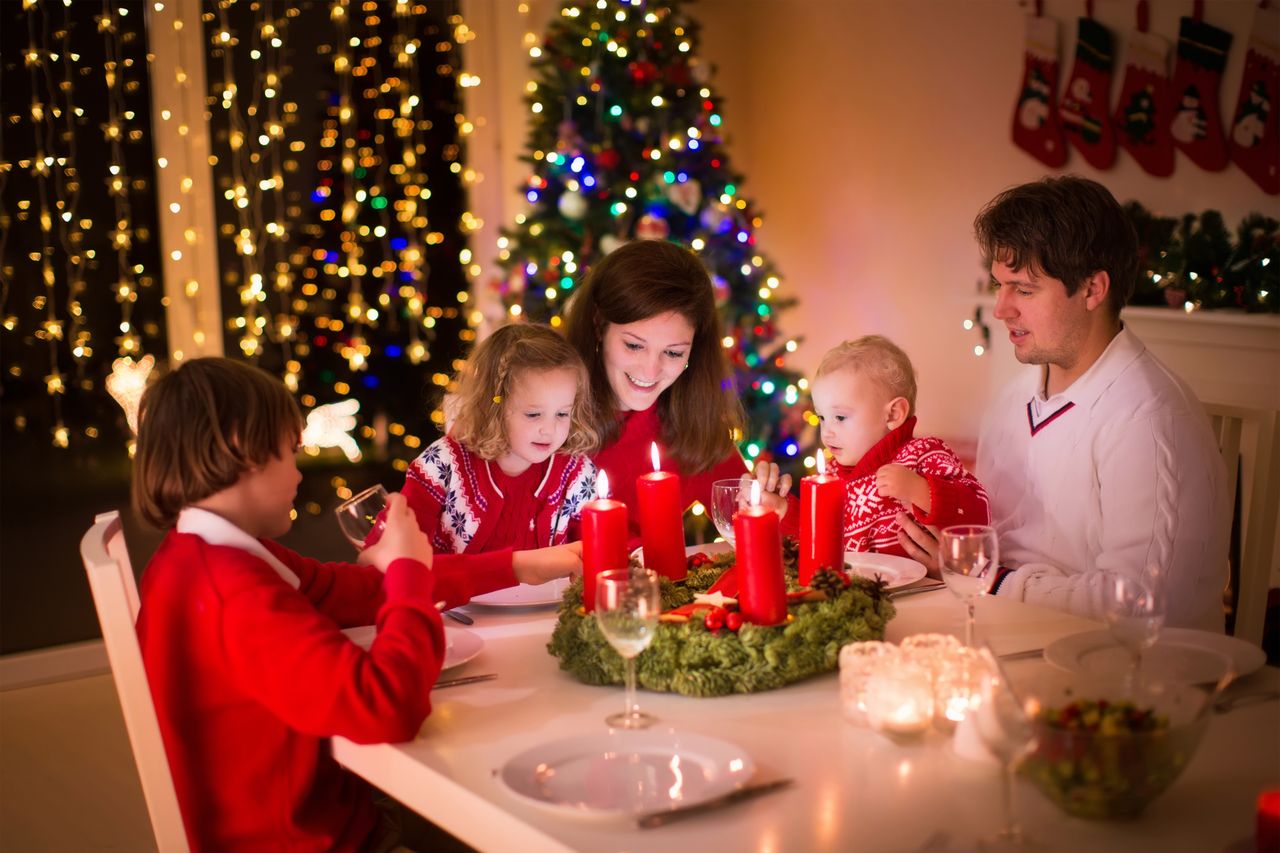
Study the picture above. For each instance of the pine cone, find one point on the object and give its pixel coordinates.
(790, 550)
(830, 582)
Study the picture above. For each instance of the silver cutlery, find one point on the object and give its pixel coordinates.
(1230, 703)
(912, 590)
(1023, 655)
(655, 819)
(469, 679)
(457, 616)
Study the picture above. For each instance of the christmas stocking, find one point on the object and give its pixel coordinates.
(1142, 114)
(1084, 106)
(1196, 123)
(1035, 121)
(1255, 142)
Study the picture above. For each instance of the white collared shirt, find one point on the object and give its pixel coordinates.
(216, 530)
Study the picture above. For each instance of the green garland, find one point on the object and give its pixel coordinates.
(690, 659)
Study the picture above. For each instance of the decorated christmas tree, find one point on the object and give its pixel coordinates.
(625, 144)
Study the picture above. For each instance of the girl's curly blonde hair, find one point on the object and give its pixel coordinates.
(485, 383)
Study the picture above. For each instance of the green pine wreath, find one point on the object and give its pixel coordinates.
(688, 658)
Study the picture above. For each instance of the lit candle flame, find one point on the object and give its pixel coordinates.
(602, 486)
(755, 493)
(821, 461)
(653, 454)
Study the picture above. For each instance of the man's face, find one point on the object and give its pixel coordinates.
(1046, 326)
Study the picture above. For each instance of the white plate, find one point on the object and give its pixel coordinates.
(461, 646)
(525, 595)
(1181, 654)
(894, 571)
(626, 772)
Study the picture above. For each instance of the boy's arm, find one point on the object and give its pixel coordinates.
(347, 593)
(287, 654)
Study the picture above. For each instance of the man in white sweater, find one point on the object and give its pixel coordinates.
(1100, 461)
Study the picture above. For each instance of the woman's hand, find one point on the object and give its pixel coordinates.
(400, 538)
(774, 486)
(546, 564)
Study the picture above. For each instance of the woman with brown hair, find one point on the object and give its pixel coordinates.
(645, 323)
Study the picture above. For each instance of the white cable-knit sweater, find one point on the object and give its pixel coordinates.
(1118, 472)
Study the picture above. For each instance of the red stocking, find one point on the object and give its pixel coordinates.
(1083, 110)
(1196, 125)
(1142, 113)
(1035, 121)
(1255, 140)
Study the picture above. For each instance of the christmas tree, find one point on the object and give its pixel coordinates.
(625, 143)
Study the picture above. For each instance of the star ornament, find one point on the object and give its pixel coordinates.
(126, 383)
(716, 599)
(330, 425)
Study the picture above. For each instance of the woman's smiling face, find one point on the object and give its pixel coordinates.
(644, 358)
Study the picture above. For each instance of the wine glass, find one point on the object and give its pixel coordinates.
(1134, 610)
(1007, 731)
(627, 607)
(724, 505)
(361, 515)
(967, 556)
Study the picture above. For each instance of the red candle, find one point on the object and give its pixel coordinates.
(758, 544)
(604, 539)
(821, 522)
(661, 525)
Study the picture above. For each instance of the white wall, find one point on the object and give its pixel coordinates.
(871, 132)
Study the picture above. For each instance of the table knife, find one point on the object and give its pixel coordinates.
(469, 679)
(913, 590)
(655, 819)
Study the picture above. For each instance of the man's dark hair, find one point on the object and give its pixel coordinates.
(1066, 227)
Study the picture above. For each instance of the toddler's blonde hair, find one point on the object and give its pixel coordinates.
(880, 360)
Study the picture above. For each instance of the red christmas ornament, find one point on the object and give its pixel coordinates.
(715, 619)
(609, 158)
(733, 621)
(643, 72)
(678, 75)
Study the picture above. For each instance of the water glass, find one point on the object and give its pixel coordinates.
(1134, 610)
(968, 555)
(724, 505)
(628, 602)
(361, 515)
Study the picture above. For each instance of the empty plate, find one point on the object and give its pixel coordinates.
(1181, 654)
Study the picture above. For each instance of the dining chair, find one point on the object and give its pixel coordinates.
(1250, 443)
(115, 595)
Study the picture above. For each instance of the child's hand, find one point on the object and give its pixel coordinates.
(546, 564)
(774, 486)
(401, 537)
(903, 484)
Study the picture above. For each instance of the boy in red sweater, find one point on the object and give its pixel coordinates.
(864, 394)
(241, 638)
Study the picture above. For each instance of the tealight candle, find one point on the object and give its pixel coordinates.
(858, 661)
(900, 700)
(604, 539)
(957, 687)
(661, 527)
(821, 522)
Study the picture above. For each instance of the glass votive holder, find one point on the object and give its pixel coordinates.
(899, 699)
(857, 662)
(957, 687)
(929, 650)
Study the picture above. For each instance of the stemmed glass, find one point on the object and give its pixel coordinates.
(724, 505)
(628, 602)
(1134, 610)
(1007, 732)
(967, 556)
(360, 515)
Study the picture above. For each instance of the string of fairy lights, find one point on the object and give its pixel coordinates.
(282, 265)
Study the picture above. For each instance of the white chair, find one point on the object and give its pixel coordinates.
(1250, 444)
(115, 595)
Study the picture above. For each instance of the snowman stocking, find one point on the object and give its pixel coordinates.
(1196, 125)
(1142, 114)
(1035, 120)
(1084, 106)
(1255, 142)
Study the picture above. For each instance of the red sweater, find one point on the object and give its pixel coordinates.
(628, 457)
(250, 678)
(462, 501)
(955, 495)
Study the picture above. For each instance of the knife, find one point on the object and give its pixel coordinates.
(913, 590)
(656, 819)
(458, 682)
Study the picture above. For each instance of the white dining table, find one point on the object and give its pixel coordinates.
(854, 789)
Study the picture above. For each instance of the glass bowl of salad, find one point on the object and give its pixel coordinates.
(1106, 748)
